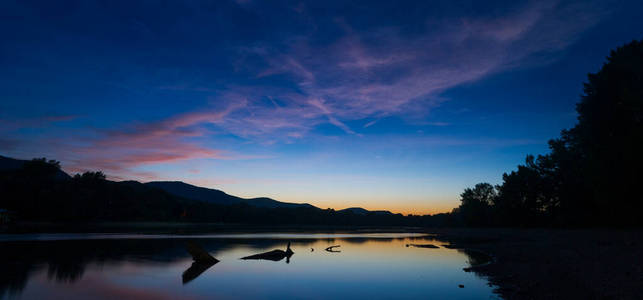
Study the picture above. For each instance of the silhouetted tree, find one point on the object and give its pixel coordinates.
(528, 194)
(607, 142)
(90, 176)
(41, 168)
(591, 176)
(476, 203)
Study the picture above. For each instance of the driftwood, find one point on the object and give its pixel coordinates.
(423, 246)
(330, 249)
(202, 261)
(199, 255)
(274, 255)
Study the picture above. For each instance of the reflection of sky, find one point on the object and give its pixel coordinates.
(365, 268)
(382, 104)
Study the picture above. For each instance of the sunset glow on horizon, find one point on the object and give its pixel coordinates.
(387, 106)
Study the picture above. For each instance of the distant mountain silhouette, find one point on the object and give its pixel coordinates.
(196, 193)
(9, 164)
(362, 211)
(188, 191)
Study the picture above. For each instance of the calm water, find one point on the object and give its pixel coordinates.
(376, 266)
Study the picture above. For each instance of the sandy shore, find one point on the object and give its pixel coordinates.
(557, 264)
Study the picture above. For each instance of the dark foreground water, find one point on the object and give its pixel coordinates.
(368, 266)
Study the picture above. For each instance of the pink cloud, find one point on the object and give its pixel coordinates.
(385, 72)
(119, 151)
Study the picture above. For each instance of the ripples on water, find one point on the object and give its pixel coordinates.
(375, 266)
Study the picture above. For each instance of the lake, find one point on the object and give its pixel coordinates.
(364, 266)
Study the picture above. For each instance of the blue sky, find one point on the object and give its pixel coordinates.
(385, 105)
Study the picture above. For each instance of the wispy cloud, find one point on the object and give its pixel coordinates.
(331, 72)
(385, 71)
(163, 141)
(361, 74)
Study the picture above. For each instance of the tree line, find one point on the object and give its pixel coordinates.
(37, 192)
(592, 174)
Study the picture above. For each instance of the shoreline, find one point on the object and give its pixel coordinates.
(556, 263)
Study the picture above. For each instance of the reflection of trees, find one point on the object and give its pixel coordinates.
(66, 260)
(475, 257)
(13, 278)
(65, 271)
(422, 239)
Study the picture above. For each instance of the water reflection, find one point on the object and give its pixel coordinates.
(196, 269)
(368, 266)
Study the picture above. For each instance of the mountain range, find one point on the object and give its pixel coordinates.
(185, 190)
(188, 191)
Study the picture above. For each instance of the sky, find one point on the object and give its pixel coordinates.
(395, 105)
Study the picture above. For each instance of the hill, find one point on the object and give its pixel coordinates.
(39, 191)
(362, 211)
(11, 164)
(188, 191)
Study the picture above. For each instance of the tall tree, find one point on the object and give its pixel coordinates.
(605, 148)
(592, 174)
(476, 203)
